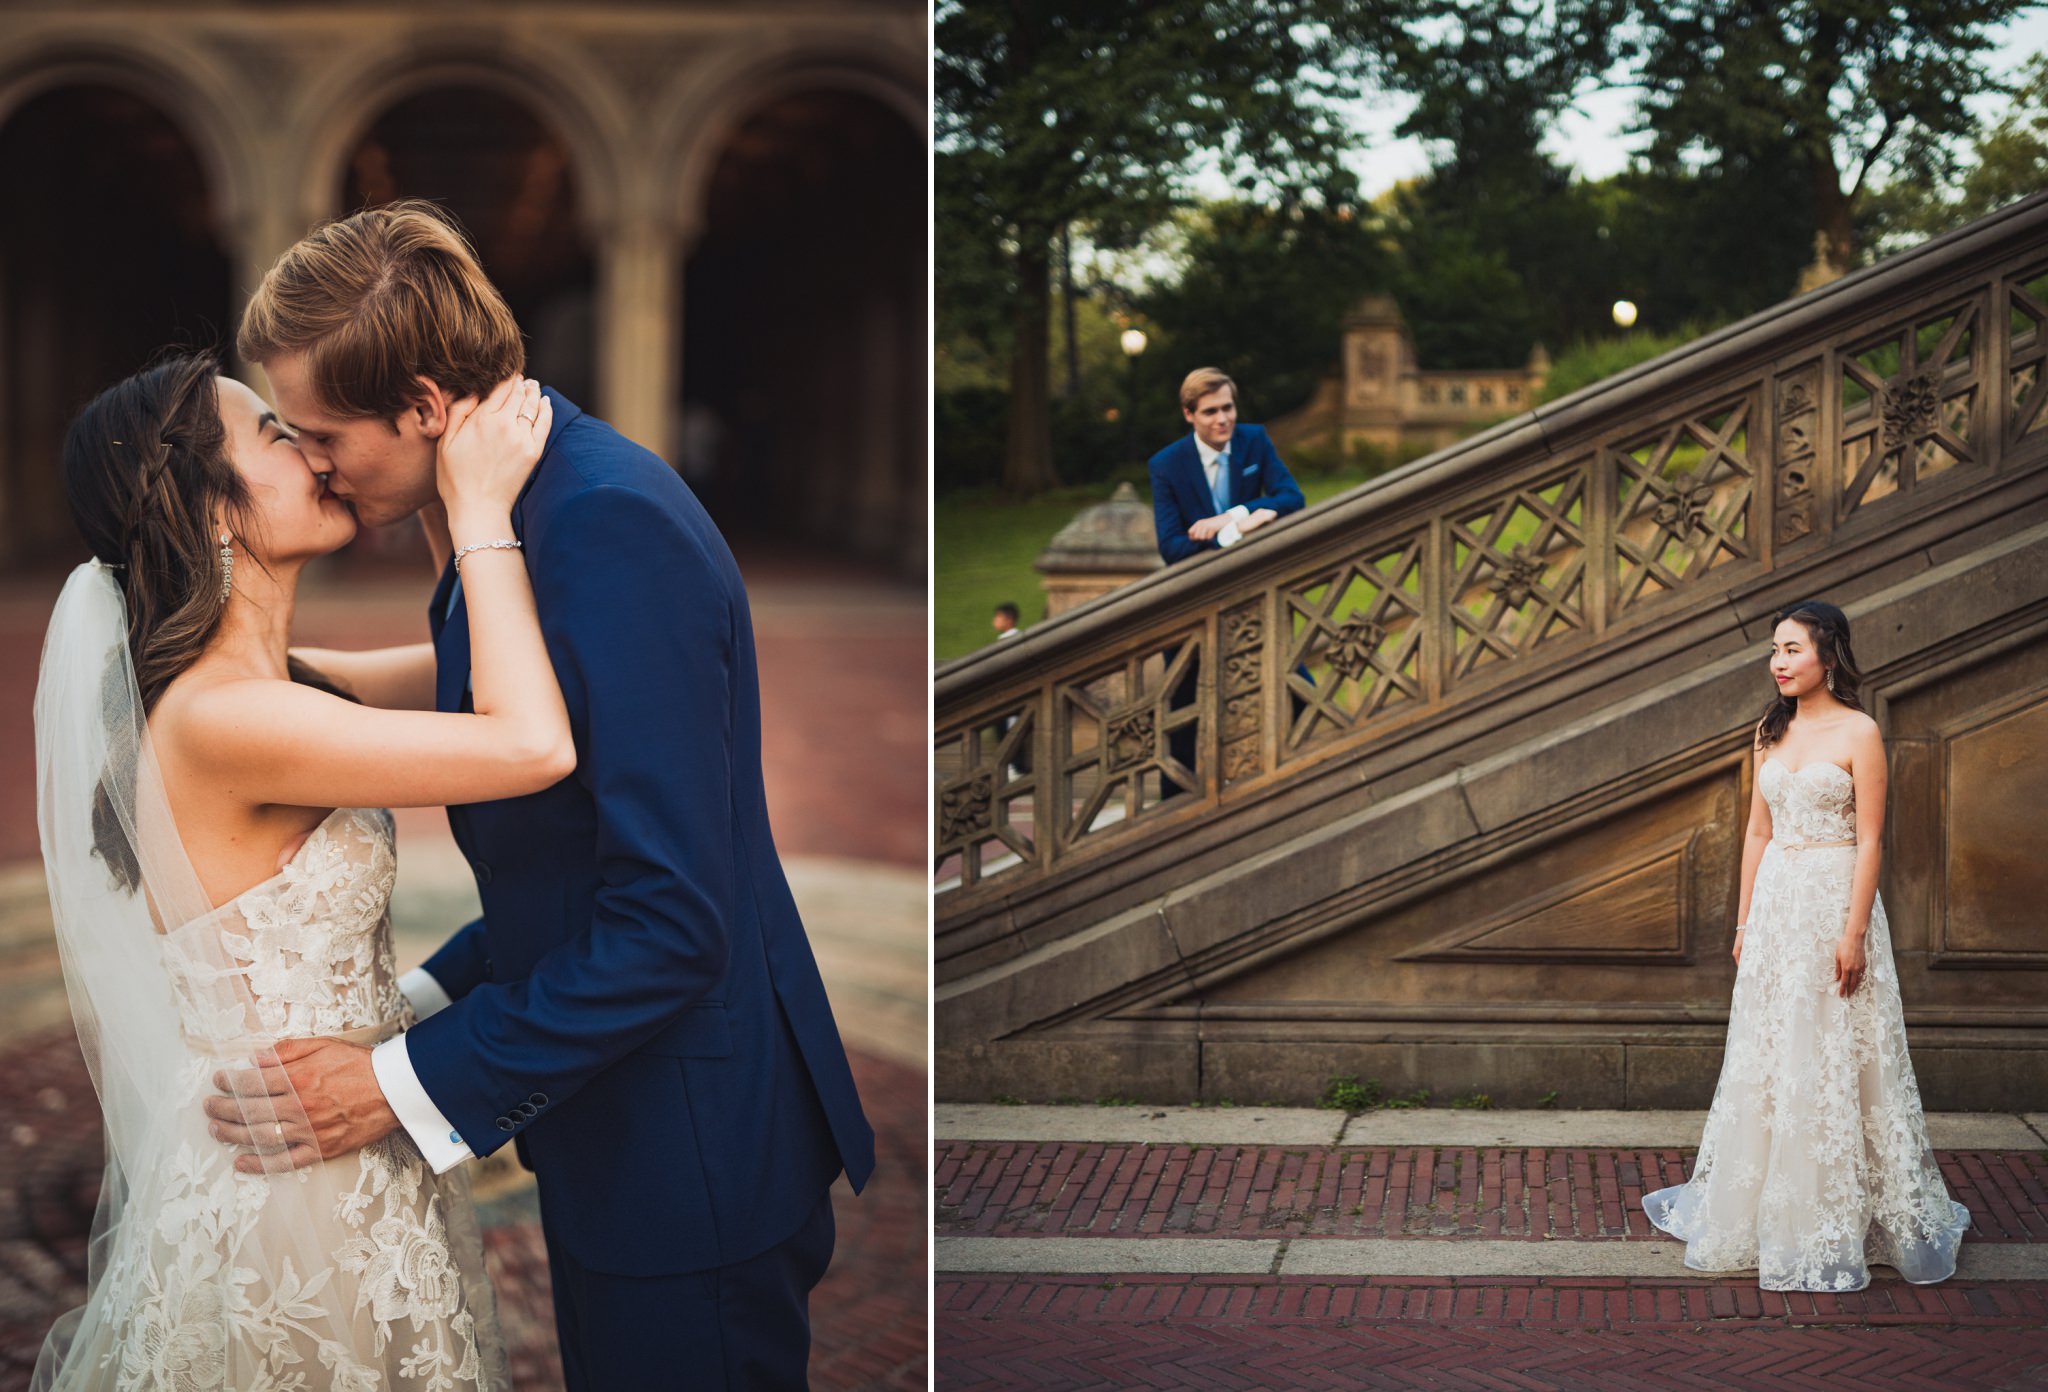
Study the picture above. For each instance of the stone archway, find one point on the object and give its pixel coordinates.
(122, 254)
(802, 377)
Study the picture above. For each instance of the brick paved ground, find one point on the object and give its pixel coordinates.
(1061, 1328)
(1020, 1189)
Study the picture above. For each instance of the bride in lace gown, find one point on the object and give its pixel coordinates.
(1814, 1164)
(220, 870)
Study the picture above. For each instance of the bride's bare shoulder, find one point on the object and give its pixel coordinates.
(200, 709)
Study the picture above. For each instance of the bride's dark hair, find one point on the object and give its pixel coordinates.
(1829, 629)
(147, 472)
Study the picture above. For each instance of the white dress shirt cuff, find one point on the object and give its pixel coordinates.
(432, 1132)
(424, 992)
(1230, 535)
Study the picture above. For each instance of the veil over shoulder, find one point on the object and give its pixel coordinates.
(362, 1271)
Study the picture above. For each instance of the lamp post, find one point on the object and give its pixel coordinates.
(1625, 314)
(1133, 341)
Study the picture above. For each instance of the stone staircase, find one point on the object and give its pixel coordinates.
(1443, 783)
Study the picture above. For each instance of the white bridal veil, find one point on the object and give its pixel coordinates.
(186, 1254)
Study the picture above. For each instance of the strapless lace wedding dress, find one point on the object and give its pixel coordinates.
(357, 1273)
(1814, 1164)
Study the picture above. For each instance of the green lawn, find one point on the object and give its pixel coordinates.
(983, 547)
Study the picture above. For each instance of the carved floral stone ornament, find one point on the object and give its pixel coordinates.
(1909, 407)
(1684, 508)
(1132, 739)
(1516, 577)
(1350, 652)
(966, 808)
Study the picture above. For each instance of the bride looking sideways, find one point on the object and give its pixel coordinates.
(220, 866)
(1814, 1164)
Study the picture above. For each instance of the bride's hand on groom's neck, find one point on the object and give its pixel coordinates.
(434, 525)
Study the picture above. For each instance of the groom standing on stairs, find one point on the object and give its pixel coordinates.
(1213, 487)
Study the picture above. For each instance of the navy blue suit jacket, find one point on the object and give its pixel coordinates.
(639, 1004)
(1180, 488)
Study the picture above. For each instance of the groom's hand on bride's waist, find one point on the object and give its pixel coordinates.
(318, 1100)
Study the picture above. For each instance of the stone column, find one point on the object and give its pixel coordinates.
(639, 328)
(279, 212)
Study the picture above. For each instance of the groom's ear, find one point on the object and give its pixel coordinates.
(429, 409)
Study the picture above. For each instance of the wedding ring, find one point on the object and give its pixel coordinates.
(528, 419)
(280, 1131)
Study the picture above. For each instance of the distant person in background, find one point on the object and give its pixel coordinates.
(1005, 621)
(1223, 481)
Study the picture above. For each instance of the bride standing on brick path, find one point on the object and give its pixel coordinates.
(1815, 1164)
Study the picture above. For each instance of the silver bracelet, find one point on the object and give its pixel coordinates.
(504, 544)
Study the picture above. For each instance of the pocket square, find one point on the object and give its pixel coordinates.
(1249, 469)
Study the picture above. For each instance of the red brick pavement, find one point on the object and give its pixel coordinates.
(1611, 1336)
(1186, 1331)
(1024, 1189)
(868, 1315)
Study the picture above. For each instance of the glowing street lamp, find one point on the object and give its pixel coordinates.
(1625, 313)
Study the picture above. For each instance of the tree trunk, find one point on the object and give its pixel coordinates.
(1027, 460)
(1067, 310)
(1835, 218)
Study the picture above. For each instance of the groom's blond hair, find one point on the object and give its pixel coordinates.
(377, 299)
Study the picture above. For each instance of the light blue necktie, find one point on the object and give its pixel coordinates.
(1220, 492)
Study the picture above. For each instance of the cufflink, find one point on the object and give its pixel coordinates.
(454, 1138)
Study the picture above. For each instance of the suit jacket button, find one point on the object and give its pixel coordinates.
(506, 1123)
(483, 871)
(528, 1110)
(539, 1099)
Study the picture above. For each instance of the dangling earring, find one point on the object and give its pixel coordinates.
(227, 568)
(1831, 681)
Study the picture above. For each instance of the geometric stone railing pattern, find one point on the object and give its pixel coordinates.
(1525, 555)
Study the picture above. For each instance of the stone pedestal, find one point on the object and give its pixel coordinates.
(1106, 546)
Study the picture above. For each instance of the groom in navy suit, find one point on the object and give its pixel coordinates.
(1222, 481)
(638, 1009)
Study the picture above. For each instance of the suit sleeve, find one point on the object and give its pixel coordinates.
(1282, 494)
(461, 964)
(640, 627)
(1167, 523)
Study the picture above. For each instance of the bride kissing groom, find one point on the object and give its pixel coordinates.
(638, 1009)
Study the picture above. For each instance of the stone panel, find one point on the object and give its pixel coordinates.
(1688, 833)
(1996, 791)
(1631, 911)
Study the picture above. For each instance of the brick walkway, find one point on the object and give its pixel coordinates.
(1018, 1189)
(868, 1315)
(1063, 1327)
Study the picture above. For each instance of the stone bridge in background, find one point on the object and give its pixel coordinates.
(1444, 782)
